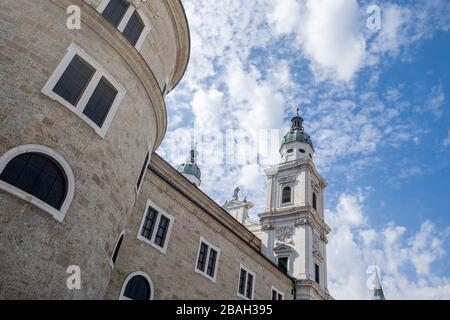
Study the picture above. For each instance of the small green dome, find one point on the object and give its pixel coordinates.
(190, 168)
(297, 135)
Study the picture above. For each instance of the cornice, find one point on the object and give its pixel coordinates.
(273, 170)
(312, 285)
(160, 165)
(202, 201)
(302, 215)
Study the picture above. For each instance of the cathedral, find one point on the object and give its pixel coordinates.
(88, 210)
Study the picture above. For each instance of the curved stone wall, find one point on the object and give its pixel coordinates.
(35, 248)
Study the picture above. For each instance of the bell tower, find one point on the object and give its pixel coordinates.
(294, 232)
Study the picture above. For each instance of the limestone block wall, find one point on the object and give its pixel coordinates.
(166, 49)
(172, 273)
(35, 249)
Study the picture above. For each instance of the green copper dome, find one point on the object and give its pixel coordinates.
(297, 133)
(190, 168)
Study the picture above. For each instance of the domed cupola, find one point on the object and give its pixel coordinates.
(190, 169)
(296, 143)
(297, 133)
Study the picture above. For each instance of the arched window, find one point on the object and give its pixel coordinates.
(41, 173)
(117, 249)
(286, 195)
(137, 286)
(314, 201)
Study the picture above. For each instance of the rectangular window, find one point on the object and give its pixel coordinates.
(115, 10)
(127, 19)
(212, 262)
(134, 29)
(100, 103)
(149, 223)
(74, 80)
(317, 273)
(202, 257)
(242, 278)
(283, 264)
(207, 258)
(276, 294)
(249, 290)
(160, 237)
(155, 227)
(142, 173)
(246, 283)
(80, 84)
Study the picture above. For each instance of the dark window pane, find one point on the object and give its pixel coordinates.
(283, 264)
(242, 279)
(74, 80)
(280, 297)
(149, 223)
(141, 175)
(202, 257)
(314, 201)
(249, 292)
(286, 196)
(116, 251)
(100, 102)
(160, 237)
(212, 262)
(138, 288)
(274, 295)
(133, 29)
(317, 273)
(37, 175)
(115, 10)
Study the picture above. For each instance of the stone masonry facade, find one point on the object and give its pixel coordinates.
(35, 248)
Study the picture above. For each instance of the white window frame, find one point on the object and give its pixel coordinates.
(130, 276)
(99, 73)
(144, 167)
(205, 273)
(111, 263)
(151, 242)
(70, 183)
(245, 286)
(277, 291)
(126, 18)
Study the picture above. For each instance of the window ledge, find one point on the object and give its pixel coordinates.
(213, 279)
(162, 250)
(55, 213)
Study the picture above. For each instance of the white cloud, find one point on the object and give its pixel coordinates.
(354, 246)
(331, 37)
(249, 66)
(285, 16)
(207, 107)
(447, 140)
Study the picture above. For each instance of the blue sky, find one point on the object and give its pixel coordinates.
(375, 102)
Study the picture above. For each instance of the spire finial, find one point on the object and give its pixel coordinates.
(297, 120)
(194, 153)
